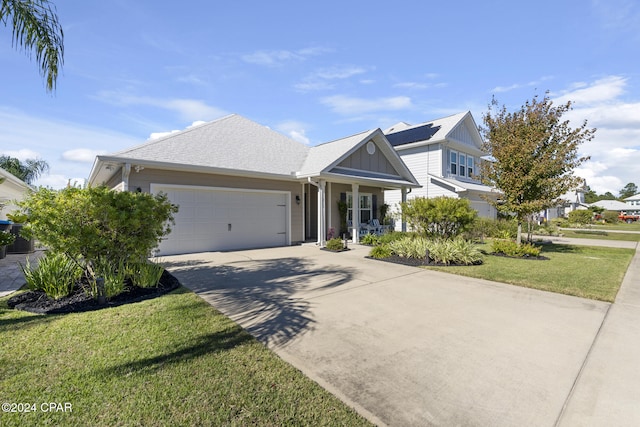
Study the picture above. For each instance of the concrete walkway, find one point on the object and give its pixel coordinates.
(11, 277)
(406, 346)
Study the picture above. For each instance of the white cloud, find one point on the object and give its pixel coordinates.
(615, 149)
(82, 155)
(346, 105)
(602, 90)
(158, 135)
(275, 58)
(514, 86)
(22, 154)
(295, 130)
(49, 139)
(187, 109)
(322, 78)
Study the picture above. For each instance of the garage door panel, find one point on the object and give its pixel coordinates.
(258, 219)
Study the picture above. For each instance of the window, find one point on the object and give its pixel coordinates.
(365, 207)
(470, 166)
(463, 165)
(454, 163)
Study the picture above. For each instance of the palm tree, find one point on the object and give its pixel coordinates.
(28, 171)
(36, 29)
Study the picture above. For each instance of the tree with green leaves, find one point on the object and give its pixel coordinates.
(36, 29)
(629, 190)
(534, 155)
(28, 171)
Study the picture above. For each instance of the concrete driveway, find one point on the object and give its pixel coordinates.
(406, 346)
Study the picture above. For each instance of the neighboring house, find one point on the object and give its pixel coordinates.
(634, 204)
(611, 205)
(444, 155)
(11, 190)
(571, 201)
(241, 185)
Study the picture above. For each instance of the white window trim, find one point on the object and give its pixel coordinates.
(350, 208)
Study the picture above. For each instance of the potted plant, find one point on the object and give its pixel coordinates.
(6, 239)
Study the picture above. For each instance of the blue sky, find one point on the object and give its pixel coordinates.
(319, 71)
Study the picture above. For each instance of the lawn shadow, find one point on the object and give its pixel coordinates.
(206, 344)
(263, 296)
(559, 248)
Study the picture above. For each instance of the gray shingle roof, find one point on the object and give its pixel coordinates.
(232, 142)
(322, 156)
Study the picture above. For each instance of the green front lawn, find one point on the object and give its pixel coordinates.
(584, 271)
(601, 234)
(173, 360)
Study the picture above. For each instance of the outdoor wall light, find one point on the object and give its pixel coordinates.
(297, 199)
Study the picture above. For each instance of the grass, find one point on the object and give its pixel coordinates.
(583, 271)
(173, 360)
(601, 234)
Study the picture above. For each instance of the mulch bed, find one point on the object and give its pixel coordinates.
(79, 300)
(417, 262)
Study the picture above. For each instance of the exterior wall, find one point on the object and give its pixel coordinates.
(10, 193)
(362, 160)
(422, 162)
(145, 177)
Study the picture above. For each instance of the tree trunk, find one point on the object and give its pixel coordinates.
(519, 236)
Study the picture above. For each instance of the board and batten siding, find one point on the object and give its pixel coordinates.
(362, 160)
(147, 176)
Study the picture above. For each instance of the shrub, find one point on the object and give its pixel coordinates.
(114, 276)
(610, 217)
(402, 247)
(481, 228)
(454, 251)
(511, 248)
(581, 217)
(56, 274)
(370, 239)
(439, 216)
(380, 251)
(103, 228)
(145, 274)
(335, 244)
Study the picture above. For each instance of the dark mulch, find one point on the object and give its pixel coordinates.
(79, 300)
(417, 262)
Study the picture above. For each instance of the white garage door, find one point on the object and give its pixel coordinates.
(220, 219)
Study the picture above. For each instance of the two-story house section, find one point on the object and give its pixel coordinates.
(444, 155)
(634, 204)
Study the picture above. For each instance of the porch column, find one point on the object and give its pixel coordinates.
(328, 199)
(322, 210)
(126, 170)
(302, 212)
(355, 209)
(403, 198)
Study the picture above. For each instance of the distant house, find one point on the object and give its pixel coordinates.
(241, 185)
(444, 155)
(571, 201)
(11, 190)
(611, 205)
(634, 204)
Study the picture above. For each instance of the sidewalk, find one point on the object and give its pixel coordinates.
(11, 277)
(607, 391)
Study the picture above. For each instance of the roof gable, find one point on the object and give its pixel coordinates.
(459, 128)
